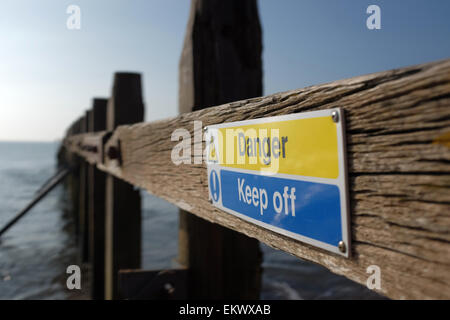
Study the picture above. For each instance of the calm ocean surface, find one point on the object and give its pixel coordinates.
(35, 253)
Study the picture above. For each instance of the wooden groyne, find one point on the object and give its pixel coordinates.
(398, 147)
(398, 151)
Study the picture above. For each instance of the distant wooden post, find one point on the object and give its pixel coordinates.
(83, 198)
(220, 62)
(74, 180)
(96, 204)
(123, 202)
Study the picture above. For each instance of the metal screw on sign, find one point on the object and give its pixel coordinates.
(335, 116)
(342, 247)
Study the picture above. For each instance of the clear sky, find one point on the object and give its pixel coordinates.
(49, 74)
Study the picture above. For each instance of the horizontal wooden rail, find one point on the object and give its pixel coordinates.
(89, 145)
(398, 141)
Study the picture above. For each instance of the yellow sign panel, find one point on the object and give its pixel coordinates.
(305, 147)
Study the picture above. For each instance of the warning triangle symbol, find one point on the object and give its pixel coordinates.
(212, 150)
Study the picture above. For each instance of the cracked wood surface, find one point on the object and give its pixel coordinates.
(398, 146)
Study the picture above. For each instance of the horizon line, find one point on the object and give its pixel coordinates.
(30, 141)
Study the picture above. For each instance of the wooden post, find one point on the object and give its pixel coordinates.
(96, 204)
(220, 62)
(123, 202)
(74, 180)
(84, 194)
(82, 187)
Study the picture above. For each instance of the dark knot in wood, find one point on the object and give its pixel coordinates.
(113, 152)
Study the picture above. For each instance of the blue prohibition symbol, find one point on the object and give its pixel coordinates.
(304, 208)
(214, 185)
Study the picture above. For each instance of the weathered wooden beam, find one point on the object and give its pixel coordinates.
(89, 146)
(398, 145)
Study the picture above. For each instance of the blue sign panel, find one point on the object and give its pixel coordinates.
(305, 208)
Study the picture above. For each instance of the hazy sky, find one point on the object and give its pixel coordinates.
(49, 74)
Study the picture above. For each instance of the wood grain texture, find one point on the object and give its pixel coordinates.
(398, 137)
